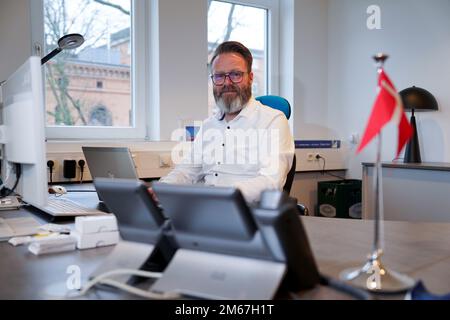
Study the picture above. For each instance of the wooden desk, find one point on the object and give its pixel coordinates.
(420, 250)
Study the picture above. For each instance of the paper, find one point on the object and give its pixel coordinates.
(9, 203)
(59, 243)
(15, 227)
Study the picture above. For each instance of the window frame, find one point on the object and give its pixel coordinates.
(146, 88)
(139, 36)
(272, 42)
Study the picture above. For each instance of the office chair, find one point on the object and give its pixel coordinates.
(283, 105)
(276, 102)
(280, 103)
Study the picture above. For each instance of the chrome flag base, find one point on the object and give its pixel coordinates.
(374, 277)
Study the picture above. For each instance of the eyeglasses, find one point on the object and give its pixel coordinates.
(219, 78)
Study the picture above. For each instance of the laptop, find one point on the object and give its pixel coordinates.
(110, 162)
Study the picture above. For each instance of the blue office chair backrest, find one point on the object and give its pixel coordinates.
(276, 102)
(283, 105)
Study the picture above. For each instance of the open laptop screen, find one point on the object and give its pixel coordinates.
(110, 162)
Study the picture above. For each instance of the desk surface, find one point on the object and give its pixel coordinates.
(439, 166)
(420, 250)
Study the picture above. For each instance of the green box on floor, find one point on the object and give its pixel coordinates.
(339, 199)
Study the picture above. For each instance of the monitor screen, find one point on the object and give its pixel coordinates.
(22, 132)
(110, 162)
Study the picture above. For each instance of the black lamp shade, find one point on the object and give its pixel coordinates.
(416, 99)
(69, 41)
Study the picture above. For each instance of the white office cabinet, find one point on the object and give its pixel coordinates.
(411, 192)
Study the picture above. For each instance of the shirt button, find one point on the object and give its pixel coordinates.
(228, 127)
(223, 144)
(218, 162)
(216, 174)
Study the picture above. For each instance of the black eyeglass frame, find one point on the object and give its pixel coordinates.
(225, 75)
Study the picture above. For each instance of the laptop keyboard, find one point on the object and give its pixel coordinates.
(66, 207)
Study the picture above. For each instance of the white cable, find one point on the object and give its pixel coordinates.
(140, 292)
(8, 175)
(117, 272)
(102, 279)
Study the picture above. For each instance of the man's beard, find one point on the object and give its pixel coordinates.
(232, 104)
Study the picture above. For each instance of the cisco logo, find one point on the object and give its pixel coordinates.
(218, 275)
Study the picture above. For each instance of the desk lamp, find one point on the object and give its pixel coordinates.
(69, 41)
(416, 99)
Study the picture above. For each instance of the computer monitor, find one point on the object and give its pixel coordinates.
(22, 132)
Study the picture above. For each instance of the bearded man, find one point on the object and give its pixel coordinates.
(245, 144)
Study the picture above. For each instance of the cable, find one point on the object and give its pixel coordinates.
(318, 157)
(140, 292)
(18, 175)
(7, 175)
(340, 286)
(81, 164)
(103, 279)
(343, 287)
(50, 165)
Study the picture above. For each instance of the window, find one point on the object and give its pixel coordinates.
(247, 22)
(100, 116)
(118, 85)
(90, 90)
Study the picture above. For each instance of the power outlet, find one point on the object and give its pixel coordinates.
(55, 165)
(310, 157)
(78, 170)
(165, 160)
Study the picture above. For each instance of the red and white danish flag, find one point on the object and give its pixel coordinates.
(388, 107)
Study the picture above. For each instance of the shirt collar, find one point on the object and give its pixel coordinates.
(246, 111)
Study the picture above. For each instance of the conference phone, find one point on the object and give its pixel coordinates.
(207, 239)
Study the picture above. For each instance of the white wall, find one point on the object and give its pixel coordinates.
(334, 77)
(310, 43)
(416, 35)
(183, 58)
(15, 36)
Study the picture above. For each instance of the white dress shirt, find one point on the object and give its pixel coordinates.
(252, 152)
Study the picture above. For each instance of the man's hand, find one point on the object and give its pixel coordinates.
(153, 195)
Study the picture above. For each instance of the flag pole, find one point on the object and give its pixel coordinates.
(378, 202)
(373, 276)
